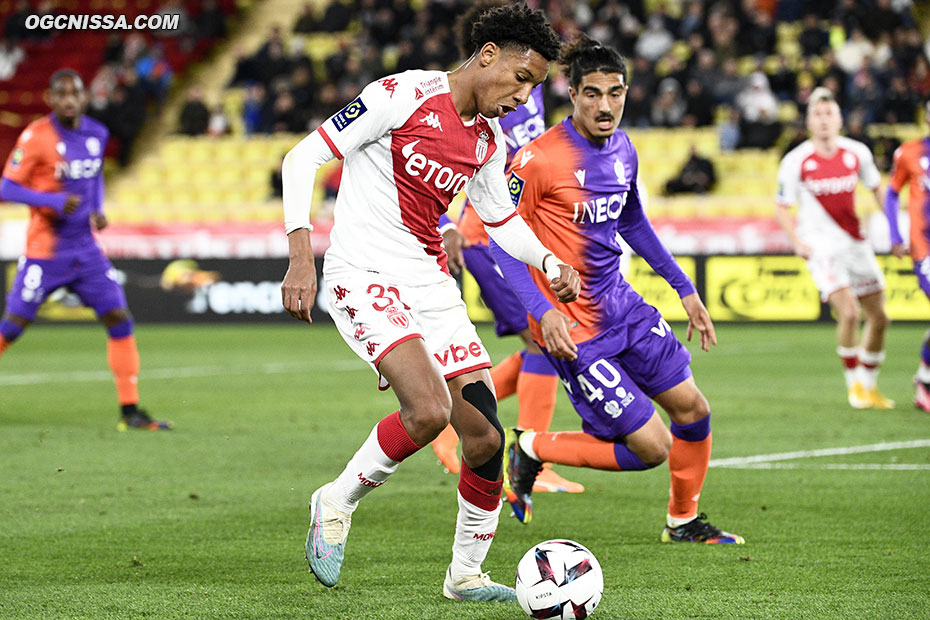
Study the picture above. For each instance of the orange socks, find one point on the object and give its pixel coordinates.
(536, 395)
(687, 463)
(3, 345)
(123, 357)
(575, 448)
(504, 376)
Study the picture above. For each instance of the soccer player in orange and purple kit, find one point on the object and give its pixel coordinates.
(576, 187)
(56, 168)
(526, 373)
(912, 165)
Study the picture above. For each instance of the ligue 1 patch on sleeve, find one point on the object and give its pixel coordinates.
(18, 155)
(516, 188)
(345, 117)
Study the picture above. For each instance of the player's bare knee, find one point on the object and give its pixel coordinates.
(430, 413)
(879, 320)
(655, 452)
(847, 314)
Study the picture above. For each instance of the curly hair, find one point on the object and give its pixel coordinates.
(515, 25)
(584, 55)
(466, 21)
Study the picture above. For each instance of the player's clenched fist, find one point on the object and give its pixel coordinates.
(568, 285)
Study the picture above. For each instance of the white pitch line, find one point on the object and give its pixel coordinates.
(742, 461)
(178, 372)
(853, 466)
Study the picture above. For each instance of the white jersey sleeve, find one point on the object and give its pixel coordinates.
(363, 120)
(789, 179)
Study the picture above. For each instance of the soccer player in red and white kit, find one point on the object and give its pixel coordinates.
(411, 142)
(820, 175)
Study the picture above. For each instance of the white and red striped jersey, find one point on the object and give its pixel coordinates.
(407, 154)
(824, 189)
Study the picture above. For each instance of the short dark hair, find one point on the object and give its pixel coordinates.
(515, 25)
(584, 55)
(66, 73)
(466, 21)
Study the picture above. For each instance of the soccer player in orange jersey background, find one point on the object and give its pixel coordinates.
(912, 166)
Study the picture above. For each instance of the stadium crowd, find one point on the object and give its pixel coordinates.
(720, 62)
(134, 73)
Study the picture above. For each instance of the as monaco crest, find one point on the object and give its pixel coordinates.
(481, 148)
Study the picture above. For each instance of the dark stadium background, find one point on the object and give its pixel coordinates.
(202, 116)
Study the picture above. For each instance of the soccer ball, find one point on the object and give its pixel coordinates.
(559, 579)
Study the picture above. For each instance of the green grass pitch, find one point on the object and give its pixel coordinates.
(209, 521)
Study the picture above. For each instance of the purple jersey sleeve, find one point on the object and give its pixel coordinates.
(636, 230)
(518, 276)
(892, 206)
(12, 191)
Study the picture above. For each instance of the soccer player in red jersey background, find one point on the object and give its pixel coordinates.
(411, 142)
(820, 175)
(526, 373)
(912, 166)
(56, 168)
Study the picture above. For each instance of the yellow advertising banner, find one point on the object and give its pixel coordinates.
(656, 291)
(760, 288)
(904, 301)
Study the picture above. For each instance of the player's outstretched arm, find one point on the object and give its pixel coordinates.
(699, 319)
(62, 202)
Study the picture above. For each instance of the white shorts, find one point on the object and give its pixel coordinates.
(855, 267)
(374, 316)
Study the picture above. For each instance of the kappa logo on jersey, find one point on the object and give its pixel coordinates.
(579, 174)
(360, 331)
(351, 312)
(340, 293)
(481, 148)
(432, 120)
(371, 347)
(459, 353)
(389, 85)
(430, 171)
(18, 155)
(347, 115)
(516, 185)
(600, 209)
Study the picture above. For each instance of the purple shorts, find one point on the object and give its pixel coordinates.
(616, 374)
(509, 313)
(89, 275)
